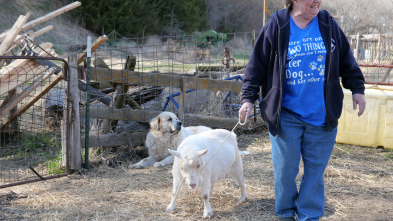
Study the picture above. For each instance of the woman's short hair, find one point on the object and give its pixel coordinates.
(288, 3)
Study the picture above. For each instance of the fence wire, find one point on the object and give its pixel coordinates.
(31, 109)
(172, 58)
(158, 63)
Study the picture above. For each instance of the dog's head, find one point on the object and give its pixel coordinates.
(166, 122)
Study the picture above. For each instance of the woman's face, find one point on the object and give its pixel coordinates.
(307, 8)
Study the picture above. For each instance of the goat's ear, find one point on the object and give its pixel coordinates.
(202, 152)
(155, 123)
(174, 153)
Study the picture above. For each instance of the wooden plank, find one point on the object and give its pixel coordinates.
(135, 78)
(21, 70)
(121, 114)
(32, 100)
(12, 69)
(213, 122)
(45, 17)
(8, 41)
(22, 77)
(163, 80)
(8, 98)
(32, 35)
(22, 36)
(136, 89)
(202, 68)
(42, 31)
(16, 99)
(146, 116)
(94, 46)
(51, 15)
(18, 40)
(110, 140)
(13, 32)
(212, 84)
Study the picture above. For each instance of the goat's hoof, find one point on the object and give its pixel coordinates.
(170, 209)
(243, 197)
(207, 214)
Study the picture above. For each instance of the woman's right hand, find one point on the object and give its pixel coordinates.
(245, 110)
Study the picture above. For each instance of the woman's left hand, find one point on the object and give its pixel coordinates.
(358, 99)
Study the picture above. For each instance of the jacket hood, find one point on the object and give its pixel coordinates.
(282, 17)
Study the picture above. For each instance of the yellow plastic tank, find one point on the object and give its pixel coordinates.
(375, 127)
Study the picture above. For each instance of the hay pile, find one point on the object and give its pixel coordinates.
(359, 186)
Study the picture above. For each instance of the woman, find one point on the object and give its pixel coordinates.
(297, 62)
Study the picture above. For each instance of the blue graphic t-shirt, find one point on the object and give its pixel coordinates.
(305, 76)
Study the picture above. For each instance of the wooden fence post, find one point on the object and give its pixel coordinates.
(182, 100)
(74, 139)
(357, 50)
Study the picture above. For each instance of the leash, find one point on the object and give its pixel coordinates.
(239, 122)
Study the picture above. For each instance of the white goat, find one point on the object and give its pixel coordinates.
(191, 160)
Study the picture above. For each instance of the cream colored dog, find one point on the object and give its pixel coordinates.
(166, 132)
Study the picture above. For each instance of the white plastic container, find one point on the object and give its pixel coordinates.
(375, 127)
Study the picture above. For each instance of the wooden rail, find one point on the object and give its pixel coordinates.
(163, 80)
(153, 79)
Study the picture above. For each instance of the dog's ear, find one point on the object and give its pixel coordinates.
(155, 123)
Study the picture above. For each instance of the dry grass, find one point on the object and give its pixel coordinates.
(359, 186)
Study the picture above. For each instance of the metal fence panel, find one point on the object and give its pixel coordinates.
(31, 109)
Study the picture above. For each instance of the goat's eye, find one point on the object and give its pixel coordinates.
(198, 166)
(169, 119)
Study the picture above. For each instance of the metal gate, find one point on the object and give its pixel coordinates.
(33, 100)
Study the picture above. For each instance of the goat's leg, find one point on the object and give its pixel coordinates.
(207, 209)
(167, 161)
(237, 174)
(148, 161)
(211, 190)
(177, 181)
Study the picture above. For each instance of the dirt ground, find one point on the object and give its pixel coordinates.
(359, 186)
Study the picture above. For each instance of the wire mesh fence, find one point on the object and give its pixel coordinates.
(158, 66)
(131, 81)
(374, 53)
(188, 75)
(31, 109)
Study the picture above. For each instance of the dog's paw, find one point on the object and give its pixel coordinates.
(244, 153)
(134, 166)
(159, 164)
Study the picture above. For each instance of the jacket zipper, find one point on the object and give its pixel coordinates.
(279, 63)
(327, 79)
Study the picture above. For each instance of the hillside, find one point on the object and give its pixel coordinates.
(67, 31)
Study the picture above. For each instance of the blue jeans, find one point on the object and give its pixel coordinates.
(314, 144)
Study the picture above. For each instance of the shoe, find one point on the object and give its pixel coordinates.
(287, 219)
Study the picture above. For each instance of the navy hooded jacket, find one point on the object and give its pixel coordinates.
(267, 66)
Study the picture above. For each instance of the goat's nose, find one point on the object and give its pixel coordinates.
(179, 123)
(192, 185)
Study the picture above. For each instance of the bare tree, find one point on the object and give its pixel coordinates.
(354, 16)
(362, 16)
(235, 15)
